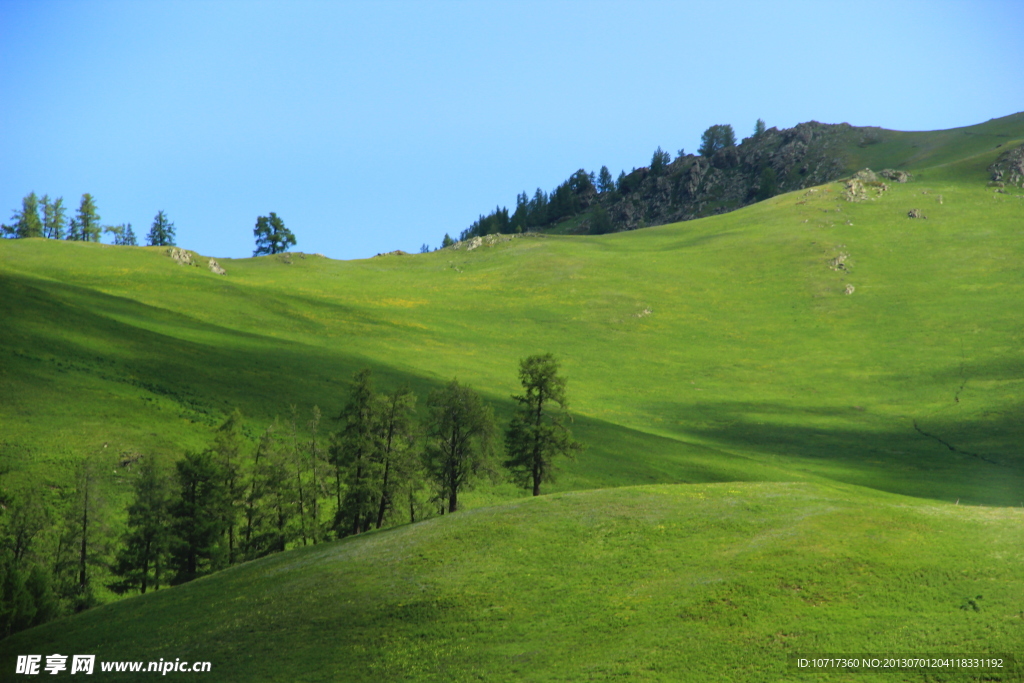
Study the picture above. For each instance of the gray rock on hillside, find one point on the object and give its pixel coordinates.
(1009, 167)
(180, 256)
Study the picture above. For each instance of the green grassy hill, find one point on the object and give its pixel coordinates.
(716, 582)
(719, 350)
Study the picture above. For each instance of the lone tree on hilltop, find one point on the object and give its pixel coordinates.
(715, 138)
(537, 435)
(161, 234)
(460, 435)
(271, 235)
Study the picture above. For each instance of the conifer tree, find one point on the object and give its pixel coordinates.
(715, 138)
(537, 433)
(84, 544)
(161, 233)
(659, 160)
(315, 454)
(460, 437)
(85, 226)
(26, 222)
(394, 446)
(197, 517)
(227, 445)
(296, 465)
(53, 218)
(353, 456)
(144, 547)
(270, 499)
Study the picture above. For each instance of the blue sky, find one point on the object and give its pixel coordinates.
(373, 126)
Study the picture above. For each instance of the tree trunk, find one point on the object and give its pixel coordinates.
(82, 577)
(280, 524)
(537, 463)
(382, 508)
(359, 498)
(145, 566)
(250, 508)
(302, 504)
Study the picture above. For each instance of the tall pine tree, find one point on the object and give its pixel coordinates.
(26, 222)
(197, 517)
(460, 436)
(53, 218)
(537, 433)
(161, 233)
(85, 226)
(353, 455)
(144, 547)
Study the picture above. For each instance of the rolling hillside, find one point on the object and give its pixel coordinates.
(782, 406)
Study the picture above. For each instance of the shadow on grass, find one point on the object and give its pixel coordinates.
(975, 459)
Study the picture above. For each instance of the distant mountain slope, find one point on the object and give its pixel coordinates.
(774, 162)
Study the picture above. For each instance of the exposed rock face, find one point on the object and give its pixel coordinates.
(474, 242)
(1009, 168)
(180, 256)
(775, 162)
(857, 186)
(898, 176)
(215, 267)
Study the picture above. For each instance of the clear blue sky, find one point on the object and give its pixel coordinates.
(373, 126)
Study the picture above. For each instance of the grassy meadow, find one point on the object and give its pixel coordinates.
(773, 465)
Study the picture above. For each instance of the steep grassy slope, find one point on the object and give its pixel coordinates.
(717, 350)
(717, 582)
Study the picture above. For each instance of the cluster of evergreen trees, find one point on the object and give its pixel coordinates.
(568, 199)
(585, 193)
(295, 485)
(43, 217)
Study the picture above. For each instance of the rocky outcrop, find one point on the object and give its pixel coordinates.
(184, 257)
(1009, 168)
(476, 242)
(180, 256)
(776, 161)
(856, 188)
(898, 176)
